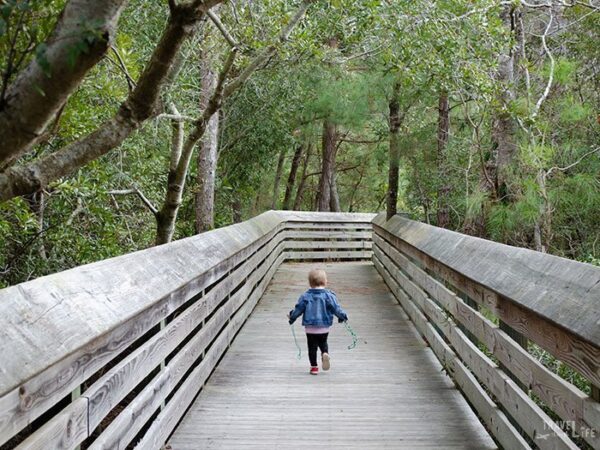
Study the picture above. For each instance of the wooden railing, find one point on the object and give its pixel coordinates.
(480, 305)
(111, 354)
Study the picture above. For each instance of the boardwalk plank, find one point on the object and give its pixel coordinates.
(389, 392)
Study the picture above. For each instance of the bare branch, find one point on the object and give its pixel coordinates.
(552, 65)
(123, 67)
(78, 210)
(168, 213)
(176, 140)
(268, 52)
(176, 117)
(570, 166)
(141, 104)
(476, 11)
(228, 37)
(135, 190)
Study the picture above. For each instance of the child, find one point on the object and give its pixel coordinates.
(317, 306)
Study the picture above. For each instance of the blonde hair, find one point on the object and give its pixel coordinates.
(317, 277)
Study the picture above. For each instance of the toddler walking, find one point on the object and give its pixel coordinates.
(317, 306)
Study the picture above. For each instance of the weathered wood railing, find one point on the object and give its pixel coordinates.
(111, 354)
(452, 286)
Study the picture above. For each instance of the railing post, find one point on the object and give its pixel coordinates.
(523, 342)
(75, 394)
(163, 363)
(473, 304)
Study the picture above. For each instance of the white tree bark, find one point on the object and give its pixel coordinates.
(207, 156)
(277, 182)
(167, 216)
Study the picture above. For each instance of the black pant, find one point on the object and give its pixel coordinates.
(316, 341)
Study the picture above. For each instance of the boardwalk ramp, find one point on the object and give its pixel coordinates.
(464, 343)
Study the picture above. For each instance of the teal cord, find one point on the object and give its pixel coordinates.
(299, 355)
(353, 334)
(346, 326)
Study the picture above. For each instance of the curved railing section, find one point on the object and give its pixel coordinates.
(480, 305)
(111, 354)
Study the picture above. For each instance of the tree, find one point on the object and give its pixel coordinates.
(207, 153)
(80, 39)
(443, 213)
(445, 57)
(167, 215)
(141, 104)
(394, 152)
(291, 181)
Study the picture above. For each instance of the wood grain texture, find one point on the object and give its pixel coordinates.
(328, 244)
(563, 343)
(561, 396)
(563, 291)
(494, 419)
(58, 330)
(329, 226)
(96, 319)
(523, 409)
(334, 255)
(328, 234)
(168, 418)
(389, 392)
(67, 429)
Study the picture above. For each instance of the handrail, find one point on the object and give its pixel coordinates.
(142, 332)
(451, 284)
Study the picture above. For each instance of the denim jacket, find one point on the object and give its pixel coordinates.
(318, 306)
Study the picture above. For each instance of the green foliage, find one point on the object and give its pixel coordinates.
(341, 65)
(564, 71)
(573, 111)
(474, 203)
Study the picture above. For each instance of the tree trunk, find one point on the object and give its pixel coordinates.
(167, 215)
(504, 145)
(329, 146)
(335, 197)
(492, 179)
(291, 181)
(207, 155)
(278, 172)
(37, 205)
(165, 219)
(355, 189)
(394, 151)
(443, 212)
(302, 184)
(141, 104)
(25, 111)
(543, 224)
(236, 208)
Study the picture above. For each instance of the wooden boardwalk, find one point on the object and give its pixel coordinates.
(389, 392)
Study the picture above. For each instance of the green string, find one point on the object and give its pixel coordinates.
(299, 355)
(346, 326)
(353, 334)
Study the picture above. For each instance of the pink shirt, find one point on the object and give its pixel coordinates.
(316, 330)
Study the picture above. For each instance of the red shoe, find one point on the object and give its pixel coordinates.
(314, 371)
